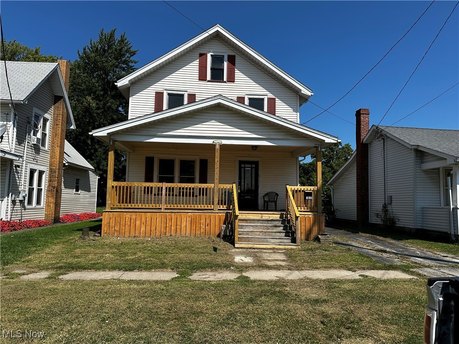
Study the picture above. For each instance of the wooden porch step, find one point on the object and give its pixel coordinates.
(254, 215)
(267, 246)
(263, 232)
(264, 240)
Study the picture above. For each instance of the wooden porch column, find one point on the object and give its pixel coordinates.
(110, 171)
(216, 173)
(319, 179)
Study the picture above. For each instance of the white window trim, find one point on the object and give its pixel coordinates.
(209, 65)
(39, 134)
(176, 166)
(35, 186)
(166, 97)
(265, 97)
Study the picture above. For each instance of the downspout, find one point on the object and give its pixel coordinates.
(450, 198)
(384, 169)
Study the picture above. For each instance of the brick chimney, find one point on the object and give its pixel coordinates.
(56, 154)
(362, 120)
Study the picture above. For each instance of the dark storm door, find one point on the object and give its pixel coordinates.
(248, 185)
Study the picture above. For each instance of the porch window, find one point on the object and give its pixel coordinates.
(217, 67)
(187, 171)
(35, 189)
(258, 103)
(175, 100)
(166, 170)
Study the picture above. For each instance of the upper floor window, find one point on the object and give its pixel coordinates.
(36, 187)
(257, 102)
(217, 67)
(40, 128)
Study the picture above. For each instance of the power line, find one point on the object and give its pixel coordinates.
(184, 15)
(420, 61)
(425, 104)
(4, 60)
(331, 113)
(372, 68)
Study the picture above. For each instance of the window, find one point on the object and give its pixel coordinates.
(187, 171)
(217, 67)
(175, 100)
(447, 175)
(40, 128)
(166, 170)
(149, 168)
(35, 190)
(77, 185)
(257, 103)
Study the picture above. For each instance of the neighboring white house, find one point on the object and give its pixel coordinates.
(212, 111)
(26, 122)
(413, 171)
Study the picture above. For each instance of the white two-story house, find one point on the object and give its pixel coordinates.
(28, 96)
(213, 126)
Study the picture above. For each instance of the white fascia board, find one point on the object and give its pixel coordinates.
(304, 90)
(218, 100)
(66, 100)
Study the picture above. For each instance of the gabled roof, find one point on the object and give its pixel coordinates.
(26, 77)
(74, 158)
(217, 31)
(216, 100)
(343, 169)
(441, 142)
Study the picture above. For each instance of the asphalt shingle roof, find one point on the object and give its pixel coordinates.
(72, 157)
(441, 140)
(24, 78)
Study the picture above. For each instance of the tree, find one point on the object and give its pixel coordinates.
(95, 99)
(15, 51)
(333, 158)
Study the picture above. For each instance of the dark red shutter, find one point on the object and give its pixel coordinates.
(203, 66)
(159, 100)
(231, 68)
(272, 106)
(191, 98)
(240, 100)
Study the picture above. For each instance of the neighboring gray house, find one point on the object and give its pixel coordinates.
(26, 122)
(413, 171)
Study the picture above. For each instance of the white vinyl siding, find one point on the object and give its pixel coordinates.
(7, 120)
(85, 200)
(375, 179)
(344, 194)
(276, 166)
(183, 71)
(436, 219)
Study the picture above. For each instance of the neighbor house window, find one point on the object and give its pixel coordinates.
(166, 170)
(36, 186)
(40, 128)
(258, 103)
(217, 67)
(187, 171)
(77, 185)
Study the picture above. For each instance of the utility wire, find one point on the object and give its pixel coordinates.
(184, 15)
(372, 68)
(4, 60)
(420, 61)
(331, 113)
(425, 104)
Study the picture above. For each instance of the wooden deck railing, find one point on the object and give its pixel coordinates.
(293, 215)
(132, 195)
(305, 197)
(235, 214)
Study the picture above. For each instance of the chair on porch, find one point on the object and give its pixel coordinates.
(270, 197)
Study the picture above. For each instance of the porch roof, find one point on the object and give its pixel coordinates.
(307, 134)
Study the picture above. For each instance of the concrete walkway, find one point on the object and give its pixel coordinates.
(221, 275)
(394, 252)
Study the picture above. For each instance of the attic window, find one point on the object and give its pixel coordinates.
(258, 103)
(217, 67)
(175, 100)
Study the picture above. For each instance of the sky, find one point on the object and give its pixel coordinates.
(326, 45)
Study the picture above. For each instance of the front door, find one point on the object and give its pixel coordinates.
(248, 185)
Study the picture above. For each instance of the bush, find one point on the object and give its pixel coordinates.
(13, 226)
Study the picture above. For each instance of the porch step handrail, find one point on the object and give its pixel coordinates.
(235, 215)
(293, 214)
(163, 196)
(305, 197)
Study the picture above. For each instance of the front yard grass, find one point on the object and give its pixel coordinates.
(240, 311)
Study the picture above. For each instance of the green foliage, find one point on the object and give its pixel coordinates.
(95, 99)
(15, 51)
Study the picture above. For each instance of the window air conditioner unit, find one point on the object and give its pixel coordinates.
(35, 140)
